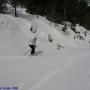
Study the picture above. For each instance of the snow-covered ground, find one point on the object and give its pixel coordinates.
(67, 68)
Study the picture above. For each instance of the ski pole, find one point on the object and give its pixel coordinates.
(27, 51)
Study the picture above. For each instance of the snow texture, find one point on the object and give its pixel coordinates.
(63, 64)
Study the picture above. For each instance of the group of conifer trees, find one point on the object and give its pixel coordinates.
(74, 11)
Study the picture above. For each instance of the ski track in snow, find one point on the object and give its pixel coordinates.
(55, 69)
(48, 72)
(54, 72)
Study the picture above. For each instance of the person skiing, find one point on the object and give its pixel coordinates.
(33, 39)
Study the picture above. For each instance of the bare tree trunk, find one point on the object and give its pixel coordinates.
(15, 11)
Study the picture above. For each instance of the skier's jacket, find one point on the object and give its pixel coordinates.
(33, 39)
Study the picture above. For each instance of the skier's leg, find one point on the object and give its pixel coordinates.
(33, 49)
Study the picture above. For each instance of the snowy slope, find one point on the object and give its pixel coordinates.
(15, 34)
(12, 36)
(64, 69)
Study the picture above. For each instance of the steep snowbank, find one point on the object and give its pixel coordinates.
(12, 34)
(15, 34)
(64, 69)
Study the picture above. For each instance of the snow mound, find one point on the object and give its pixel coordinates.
(15, 34)
(12, 34)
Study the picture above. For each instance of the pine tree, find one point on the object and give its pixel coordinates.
(3, 6)
(15, 3)
(83, 11)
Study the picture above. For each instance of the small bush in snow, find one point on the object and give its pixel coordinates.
(50, 39)
(85, 33)
(59, 46)
(64, 28)
(72, 26)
